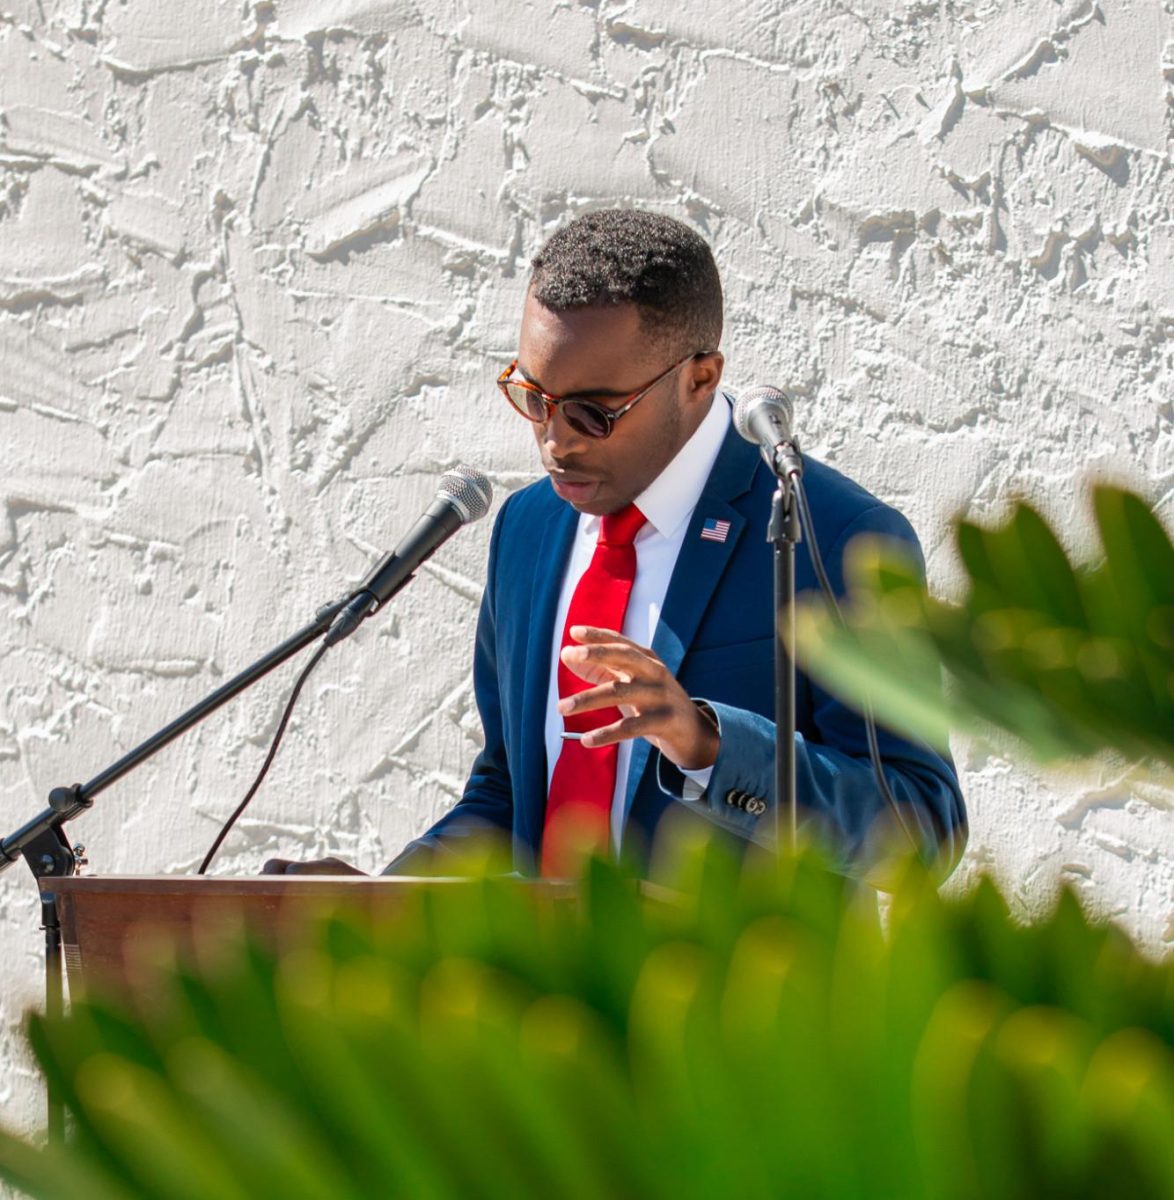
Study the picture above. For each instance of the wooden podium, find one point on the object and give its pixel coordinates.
(106, 921)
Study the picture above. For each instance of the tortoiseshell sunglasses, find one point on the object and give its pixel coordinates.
(585, 417)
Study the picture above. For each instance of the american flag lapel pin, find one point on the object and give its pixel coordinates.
(713, 530)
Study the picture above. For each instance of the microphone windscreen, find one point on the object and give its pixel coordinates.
(758, 400)
(469, 491)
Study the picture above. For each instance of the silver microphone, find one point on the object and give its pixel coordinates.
(464, 495)
(763, 417)
(469, 490)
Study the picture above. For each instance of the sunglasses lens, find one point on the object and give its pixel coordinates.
(528, 403)
(586, 419)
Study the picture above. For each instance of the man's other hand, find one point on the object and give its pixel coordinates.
(653, 705)
(316, 866)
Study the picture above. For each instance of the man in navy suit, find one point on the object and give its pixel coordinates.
(618, 371)
(624, 314)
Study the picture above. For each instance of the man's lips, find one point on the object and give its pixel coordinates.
(573, 487)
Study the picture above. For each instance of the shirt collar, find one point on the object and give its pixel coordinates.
(671, 497)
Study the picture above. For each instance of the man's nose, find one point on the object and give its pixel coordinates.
(557, 435)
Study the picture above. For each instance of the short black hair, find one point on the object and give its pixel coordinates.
(626, 256)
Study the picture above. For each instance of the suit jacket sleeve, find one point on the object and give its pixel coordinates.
(486, 806)
(839, 802)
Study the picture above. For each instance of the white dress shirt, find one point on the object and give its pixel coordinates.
(667, 503)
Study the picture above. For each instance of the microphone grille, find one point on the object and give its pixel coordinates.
(764, 394)
(469, 490)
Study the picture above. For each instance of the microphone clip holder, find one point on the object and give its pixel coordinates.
(786, 460)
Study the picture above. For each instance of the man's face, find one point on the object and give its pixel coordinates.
(603, 354)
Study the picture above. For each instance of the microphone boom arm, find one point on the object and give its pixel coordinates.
(465, 495)
(45, 846)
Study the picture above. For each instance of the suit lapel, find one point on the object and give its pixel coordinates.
(698, 571)
(550, 557)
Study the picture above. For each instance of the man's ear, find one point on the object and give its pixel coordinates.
(704, 374)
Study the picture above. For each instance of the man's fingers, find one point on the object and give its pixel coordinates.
(316, 866)
(627, 727)
(612, 656)
(590, 672)
(610, 694)
(591, 634)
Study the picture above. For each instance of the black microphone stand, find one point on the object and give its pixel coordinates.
(785, 532)
(43, 843)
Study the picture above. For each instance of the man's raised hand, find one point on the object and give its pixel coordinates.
(653, 705)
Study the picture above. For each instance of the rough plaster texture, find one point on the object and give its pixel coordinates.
(260, 262)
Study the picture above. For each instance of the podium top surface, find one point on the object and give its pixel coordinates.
(262, 885)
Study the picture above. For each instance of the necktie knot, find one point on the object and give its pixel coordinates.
(620, 528)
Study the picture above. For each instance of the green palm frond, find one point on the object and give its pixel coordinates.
(1067, 660)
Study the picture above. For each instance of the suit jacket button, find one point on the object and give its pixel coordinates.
(755, 806)
(732, 798)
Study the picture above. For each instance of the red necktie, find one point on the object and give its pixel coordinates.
(578, 806)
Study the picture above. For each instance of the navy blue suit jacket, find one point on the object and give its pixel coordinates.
(715, 635)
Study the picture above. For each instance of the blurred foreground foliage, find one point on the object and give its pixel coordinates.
(751, 1033)
(1068, 660)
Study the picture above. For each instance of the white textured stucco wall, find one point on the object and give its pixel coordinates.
(260, 262)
